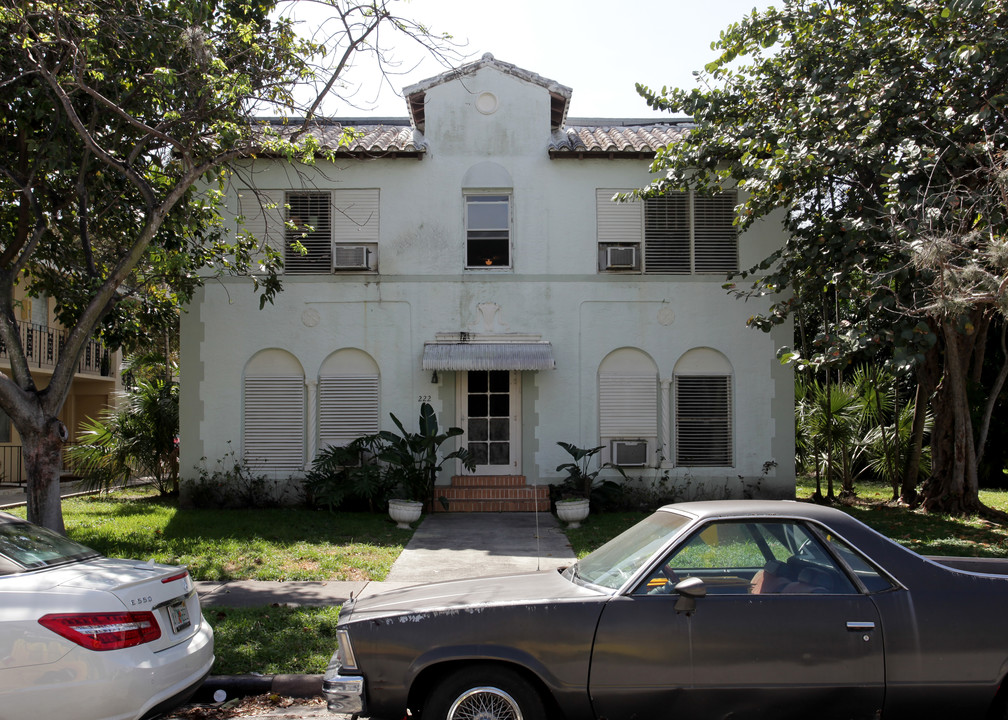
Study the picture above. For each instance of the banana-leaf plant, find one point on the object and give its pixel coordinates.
(412, 459)
(581, 479)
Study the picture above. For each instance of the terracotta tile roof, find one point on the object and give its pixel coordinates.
(615, 137)
(372, 137)
(396, 137)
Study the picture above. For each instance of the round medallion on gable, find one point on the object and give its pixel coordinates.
(486, 103)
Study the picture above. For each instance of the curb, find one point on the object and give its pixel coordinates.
(219, 688)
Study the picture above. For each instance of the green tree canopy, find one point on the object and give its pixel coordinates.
(120, 120)
(877, 130)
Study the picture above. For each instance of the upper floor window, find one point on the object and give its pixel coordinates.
(308, 240)
(488, 231)
(675, 234)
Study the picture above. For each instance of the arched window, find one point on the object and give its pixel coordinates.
(273, 412)
(348, 398)
(704, 435)
(628, 407)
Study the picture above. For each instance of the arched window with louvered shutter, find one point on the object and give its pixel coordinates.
(348, 398)
(628, 407)
(273, 413)
(704, 427)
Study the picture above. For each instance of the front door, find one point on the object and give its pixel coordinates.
(489, 407)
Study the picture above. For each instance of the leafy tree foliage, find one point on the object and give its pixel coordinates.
(877, 130)
(120, 119)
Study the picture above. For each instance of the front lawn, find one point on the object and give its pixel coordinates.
(262, 544)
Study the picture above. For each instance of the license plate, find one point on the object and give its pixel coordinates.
(179, 614)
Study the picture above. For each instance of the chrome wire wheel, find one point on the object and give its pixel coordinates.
(485, 703)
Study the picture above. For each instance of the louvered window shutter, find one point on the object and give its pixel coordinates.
(355, 216)
(703, 421)
(618, 223)
(311, 215)
(273, 426)
(628, 406)
(348, 408)
(263, 215)
(667, 234)
(715, 238)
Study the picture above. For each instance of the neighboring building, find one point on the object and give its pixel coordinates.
(471, 256)
(93, 389)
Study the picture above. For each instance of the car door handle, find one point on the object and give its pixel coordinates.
(856, 626)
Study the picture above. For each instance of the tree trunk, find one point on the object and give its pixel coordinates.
(43, 459)
(927, 380)
(953, 487)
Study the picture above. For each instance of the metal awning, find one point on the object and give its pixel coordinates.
(488, 356)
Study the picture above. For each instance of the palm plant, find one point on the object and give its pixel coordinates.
(139, 438)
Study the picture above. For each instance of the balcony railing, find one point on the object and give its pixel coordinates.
(43, 346)
(11, 465)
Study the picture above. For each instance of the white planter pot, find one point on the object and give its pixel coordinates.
(404, 512)
(572, 512)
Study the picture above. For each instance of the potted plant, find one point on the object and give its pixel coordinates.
(412, 461)
(575, 501)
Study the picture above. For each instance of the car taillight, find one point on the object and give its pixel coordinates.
(104, 631)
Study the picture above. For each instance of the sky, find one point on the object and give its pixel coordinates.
(598, 48)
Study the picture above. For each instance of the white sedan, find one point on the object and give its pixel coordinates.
(83, 636)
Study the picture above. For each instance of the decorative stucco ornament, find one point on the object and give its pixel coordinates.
(310, 317)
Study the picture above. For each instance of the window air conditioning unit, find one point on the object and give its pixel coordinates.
(622, 257)
(629, 453)
(350, 257)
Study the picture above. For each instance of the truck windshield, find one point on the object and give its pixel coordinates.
(616, 562)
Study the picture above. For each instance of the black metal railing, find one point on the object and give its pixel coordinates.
(11, 465)
(43, 346)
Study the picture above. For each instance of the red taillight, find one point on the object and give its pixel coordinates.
(104, 631)
(173, 578)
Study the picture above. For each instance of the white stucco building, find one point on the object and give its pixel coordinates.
(471, 256)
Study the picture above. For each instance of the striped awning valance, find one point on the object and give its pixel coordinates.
(488, 356)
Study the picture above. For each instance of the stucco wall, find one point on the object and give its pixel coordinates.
(552, 289)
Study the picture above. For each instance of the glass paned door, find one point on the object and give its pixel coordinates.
(491, 420)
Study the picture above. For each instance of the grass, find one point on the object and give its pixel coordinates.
(272, 640)
(927, 533)
(264, 544)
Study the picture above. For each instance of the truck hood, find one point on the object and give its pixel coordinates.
(547, 586)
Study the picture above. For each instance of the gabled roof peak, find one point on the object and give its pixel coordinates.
(559, 94)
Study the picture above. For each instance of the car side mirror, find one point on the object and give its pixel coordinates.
(688, 591)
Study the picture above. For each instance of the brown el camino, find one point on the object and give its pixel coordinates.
(732, 609)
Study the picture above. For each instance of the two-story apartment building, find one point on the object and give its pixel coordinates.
(93, 390)
(471, 256)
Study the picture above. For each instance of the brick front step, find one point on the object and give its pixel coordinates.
(491, 493)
